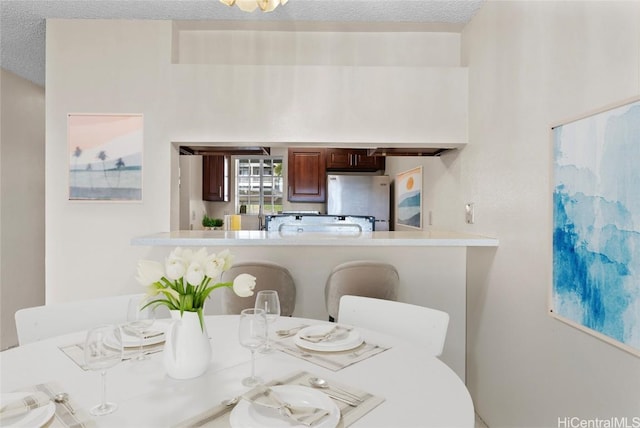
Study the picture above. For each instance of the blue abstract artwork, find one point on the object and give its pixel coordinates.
(596, 225)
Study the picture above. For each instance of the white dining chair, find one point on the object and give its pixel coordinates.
(367, 278)
(269, 276)
(415, 323)
(41, 322)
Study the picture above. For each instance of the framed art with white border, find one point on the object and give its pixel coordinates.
(409, 198)
(105, 157)
(596, 225)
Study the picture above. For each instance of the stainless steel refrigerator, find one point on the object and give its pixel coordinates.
(362, 195)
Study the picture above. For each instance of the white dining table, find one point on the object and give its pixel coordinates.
(418, 389)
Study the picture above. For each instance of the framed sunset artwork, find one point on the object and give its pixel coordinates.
(409, 198)
(105, 157)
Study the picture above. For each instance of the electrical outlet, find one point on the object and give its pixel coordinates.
(469, 213)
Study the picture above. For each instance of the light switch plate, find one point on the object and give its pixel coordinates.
(469, 213)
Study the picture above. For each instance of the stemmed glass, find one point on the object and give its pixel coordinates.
(252, 333)
(270, 302)
(139, 319)
(103, 350)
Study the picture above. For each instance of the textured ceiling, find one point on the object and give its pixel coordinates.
(22, 22)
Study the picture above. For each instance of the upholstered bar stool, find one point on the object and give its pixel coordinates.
(269, 276)
(367, 278)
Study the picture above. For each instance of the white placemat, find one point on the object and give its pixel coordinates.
(218, 416)
(330, 360)
(66, 416)
(76, 352)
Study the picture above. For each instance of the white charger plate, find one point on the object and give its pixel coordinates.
(343, 342)
(249, 415)
(33, 418)
(132, 341)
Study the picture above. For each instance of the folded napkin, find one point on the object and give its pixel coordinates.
(23, 405)
(265, 396)
(336, 332)
(146, 334)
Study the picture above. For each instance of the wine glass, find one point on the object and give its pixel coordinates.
(102, 350)
(269, 301)
(139, 319)
(252, 333)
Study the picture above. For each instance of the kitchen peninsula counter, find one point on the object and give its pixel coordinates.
(261, 238)
(432, 266)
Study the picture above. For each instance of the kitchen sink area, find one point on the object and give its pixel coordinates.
(296, 224)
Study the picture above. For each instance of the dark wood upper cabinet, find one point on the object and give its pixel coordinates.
(307, 175)
(353, 160)
(215, 178)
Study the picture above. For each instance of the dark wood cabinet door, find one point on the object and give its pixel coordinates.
(353, 160)
(215, 178)
(306, 175)
(339, 159)
(369, 163)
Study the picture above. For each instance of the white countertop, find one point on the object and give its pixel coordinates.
(262, 238)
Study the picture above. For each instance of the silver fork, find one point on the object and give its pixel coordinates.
(334, 333)
(290, 331)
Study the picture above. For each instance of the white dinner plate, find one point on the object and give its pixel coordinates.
(343, 341)
(159, 326)
(33, 418)
(250, 415)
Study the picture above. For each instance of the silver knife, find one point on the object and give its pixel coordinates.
(339, 398)
(153, 333)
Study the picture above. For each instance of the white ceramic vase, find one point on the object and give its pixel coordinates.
(187, 351)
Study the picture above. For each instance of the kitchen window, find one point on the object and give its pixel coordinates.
(259, 185)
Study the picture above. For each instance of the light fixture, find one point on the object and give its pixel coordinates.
(251, 5)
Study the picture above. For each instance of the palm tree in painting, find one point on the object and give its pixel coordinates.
(103, 156)
(119, 165)
(89, 169)
(76, 154)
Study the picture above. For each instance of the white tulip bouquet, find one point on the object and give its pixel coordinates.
(184, 282)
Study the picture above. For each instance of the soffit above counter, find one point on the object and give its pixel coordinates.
(408, 151)
(225, 150)
(264, 148)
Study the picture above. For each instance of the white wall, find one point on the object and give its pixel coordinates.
(192, 207)
(105, 67)
(532, 65)
(202, 43)
(22, 210)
